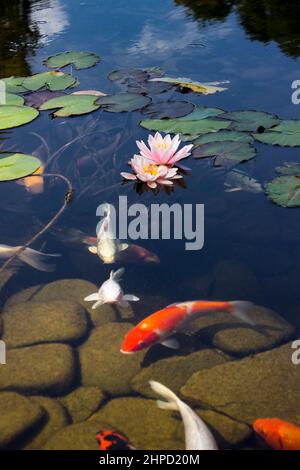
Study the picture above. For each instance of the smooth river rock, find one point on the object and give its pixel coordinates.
(82, 402)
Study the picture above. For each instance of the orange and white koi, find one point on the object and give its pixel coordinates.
(111, 440)
(278, 434)
(160, 326)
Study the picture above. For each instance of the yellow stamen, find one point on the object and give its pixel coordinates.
(150, 168)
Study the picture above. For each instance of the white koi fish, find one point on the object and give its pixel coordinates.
(197, 434)
(35, 259)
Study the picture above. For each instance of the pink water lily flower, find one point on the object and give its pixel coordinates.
(150, 173)
(164, 150)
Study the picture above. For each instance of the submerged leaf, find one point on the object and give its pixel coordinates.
(123, 102)
(71, 105)
(284, 191)
(54, 81)
(127, 74)
(80, 60)
(14, 84)
(168, 109)
(225, 151)
(187, 83)
(251, 121)
(286, 134)
(185, 126)
(37, 98)
(233, 136)
(17, 165)
(14, 116)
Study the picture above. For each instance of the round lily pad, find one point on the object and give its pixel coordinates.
(203, 112)
(233, 136)
(284, 191)
(123, 102)
(54, 81)
(17, 165)
(291, 168)
(14, 84)
(168, 109)
(80, 60)
(12, 100)
(14, 116)
(148, 88)
(71, 105)
(128, 74)
(185, 126)
(225, 151)
(286, 134)
(251, 121)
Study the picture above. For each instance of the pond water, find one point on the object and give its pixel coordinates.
(251, 248)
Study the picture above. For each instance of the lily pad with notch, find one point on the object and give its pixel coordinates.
(17, 165)
(126, 75)
(226, 151)
(14, 84)
(168, 109)
(285, 134)
(54, 81)
(123, 102)
(80, 60)
(203, 112)
(284, 191)
(226, 135)
(15, 116)
(251, 121)
(71, 105)
(185, 126)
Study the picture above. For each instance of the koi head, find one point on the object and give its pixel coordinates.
(139, 338)
(268, 429)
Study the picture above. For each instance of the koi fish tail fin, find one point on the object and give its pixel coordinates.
(241, 309)
(117, 275)
(171, 400)
(38, 260)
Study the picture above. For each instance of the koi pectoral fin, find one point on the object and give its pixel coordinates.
(92, 249)
(92, 298)
(171, 343)
(131, 298)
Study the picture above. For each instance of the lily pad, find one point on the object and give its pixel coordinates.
(203, 112)
(286, 134)
(185, 126)
(54, 81)
(284, 191)
(17, 165)
(13, 100)
(80, 60)
(251, 121)
(190, 85)
(148, 88)
(14, 84)
(168, 109)
(14, 116)
(123, 102)
(233, 136)
(225, 151)
(71, 105)
(291, 168)
(125, 75)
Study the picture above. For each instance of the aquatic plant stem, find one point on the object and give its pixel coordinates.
(67, 200)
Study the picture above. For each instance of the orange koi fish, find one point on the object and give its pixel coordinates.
(278, 434)
(160, 326)
(111, 440)
(34, 184)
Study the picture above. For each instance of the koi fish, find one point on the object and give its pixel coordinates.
(160, 326)
(278, 434)
(197, 434)
(111, 440)
(111, 292)
(239, 181)
(33, 258)
(34, 184)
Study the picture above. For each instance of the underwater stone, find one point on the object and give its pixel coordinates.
(102, 363)
(82, 402)
(235, 337)
(228, 432)
(55, 418)
(263, 386)
(47, 368)
(145, 425)
(18, 415)
(30, 323)
(173, 372)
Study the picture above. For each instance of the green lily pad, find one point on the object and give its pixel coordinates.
(286, 134)
(168, 109)
(14, 84)
(54, 81)
(123, 102)
(291, 168)
(14, 116)
(13, 100)
(190, 85)
(284, 191)
(71, 105)
(17, 165)
(225, 151)
(203, 112)
(233, 136)
(128, 74)
(80, 60)
(251, 121)
(185, 126)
